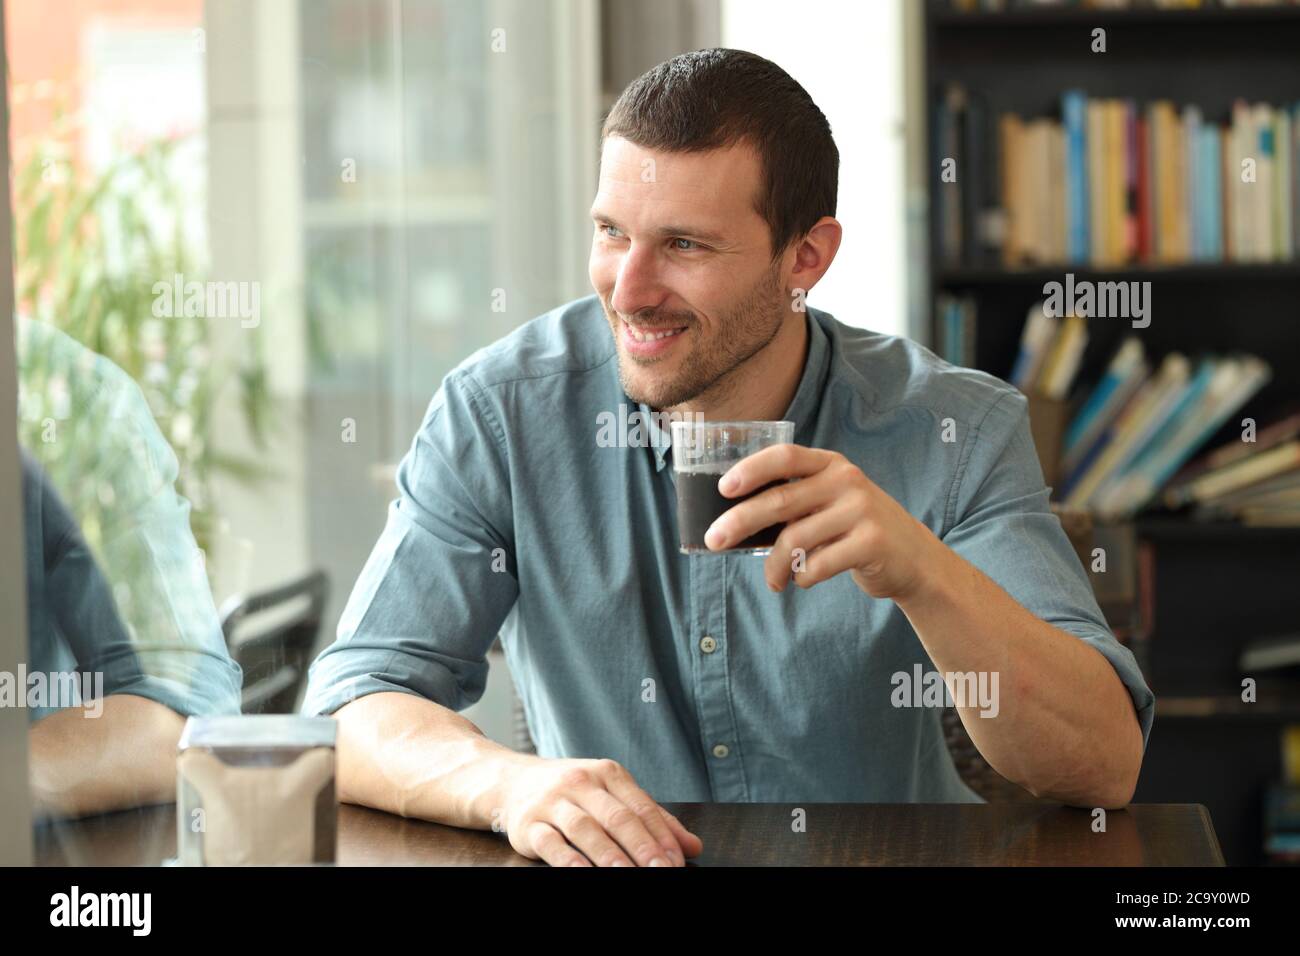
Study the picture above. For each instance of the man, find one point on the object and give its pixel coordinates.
(118, 607)
(918, 533)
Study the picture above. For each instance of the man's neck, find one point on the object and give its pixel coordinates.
(763, 388)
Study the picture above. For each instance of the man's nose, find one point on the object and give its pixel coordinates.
(638, 285)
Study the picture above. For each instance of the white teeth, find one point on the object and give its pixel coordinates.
(652, 336)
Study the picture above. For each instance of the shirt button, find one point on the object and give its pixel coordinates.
(720, 750)
(708, 645)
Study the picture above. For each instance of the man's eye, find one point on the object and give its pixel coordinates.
(610, 231)
(690, 244)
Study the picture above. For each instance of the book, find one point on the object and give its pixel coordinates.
(1116, 183)
(1270, 436)
(1168, 179)
(1011, 133)
(1111, 181)
(1142, 160)
(1144, 415)
(1074, 107)
(1220, 387)
(1243, 151)
(1040, 135)
(1262, 222)
(1128, 480)
(1063, 363)
(1191, 148)
(1035, 340)
(1098, 171)
(1281, 206)
(1269, 518)
(1126, 371)
(1211, 195)
(1239, 474)
(1282, 823)
(1227, 174)
(957, 329)
(1286, 427)
(1276, 493)
(1295, 178)
(1056, 242)
(1270, 654)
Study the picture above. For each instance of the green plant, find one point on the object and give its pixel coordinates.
(89, 249)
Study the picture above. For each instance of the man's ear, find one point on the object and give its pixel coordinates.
(814, 253)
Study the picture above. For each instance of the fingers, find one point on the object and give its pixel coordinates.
(808, 534)
(691, 844)
(577, 812)
(587, 835)
(622, 825)
(829, 560)
(656, 818)
(551, 847)
(785, 501)
(774, 463)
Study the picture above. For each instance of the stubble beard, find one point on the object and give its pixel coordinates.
(711, 369)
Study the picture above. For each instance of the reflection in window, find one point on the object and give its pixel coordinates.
(398, 192)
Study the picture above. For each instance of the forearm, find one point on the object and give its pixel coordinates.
(410, 756)
(124, 757)
(1065, 726)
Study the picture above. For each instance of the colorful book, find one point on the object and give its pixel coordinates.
(1241, 474)
(1035, 341)
(1126, 371)
(1074, 113)
(1148, 410)
(1220, 387)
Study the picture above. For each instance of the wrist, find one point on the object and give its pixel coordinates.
(495, 769)
(935, 572)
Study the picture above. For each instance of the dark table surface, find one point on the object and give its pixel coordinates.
(744, 834)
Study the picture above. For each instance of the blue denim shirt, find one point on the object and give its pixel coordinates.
(513, 517)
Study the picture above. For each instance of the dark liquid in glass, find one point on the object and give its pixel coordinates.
(699, 504)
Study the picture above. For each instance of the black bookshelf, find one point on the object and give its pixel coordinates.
(959, 276)
(944, 15)
(1216, 585)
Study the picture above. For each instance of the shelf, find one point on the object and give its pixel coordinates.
(1190, 708)
(1190, 272)
(1174, 529)
(948, 19)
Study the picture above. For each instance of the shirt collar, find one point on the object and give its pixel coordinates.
(803, 407)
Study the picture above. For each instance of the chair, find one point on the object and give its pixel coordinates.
(271, 635)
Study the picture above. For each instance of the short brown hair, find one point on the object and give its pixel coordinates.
(711, 99)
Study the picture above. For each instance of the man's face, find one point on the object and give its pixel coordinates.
(682, 263)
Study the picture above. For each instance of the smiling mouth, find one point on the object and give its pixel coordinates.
(652, 335)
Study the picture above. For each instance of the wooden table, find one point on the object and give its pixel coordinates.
(734, 834)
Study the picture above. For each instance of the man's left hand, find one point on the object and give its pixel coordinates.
(835, 515)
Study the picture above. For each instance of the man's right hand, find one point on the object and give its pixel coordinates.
(553, 806)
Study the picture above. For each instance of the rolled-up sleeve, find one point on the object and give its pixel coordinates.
(190, 673)
(999, 518)
(442, 576)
